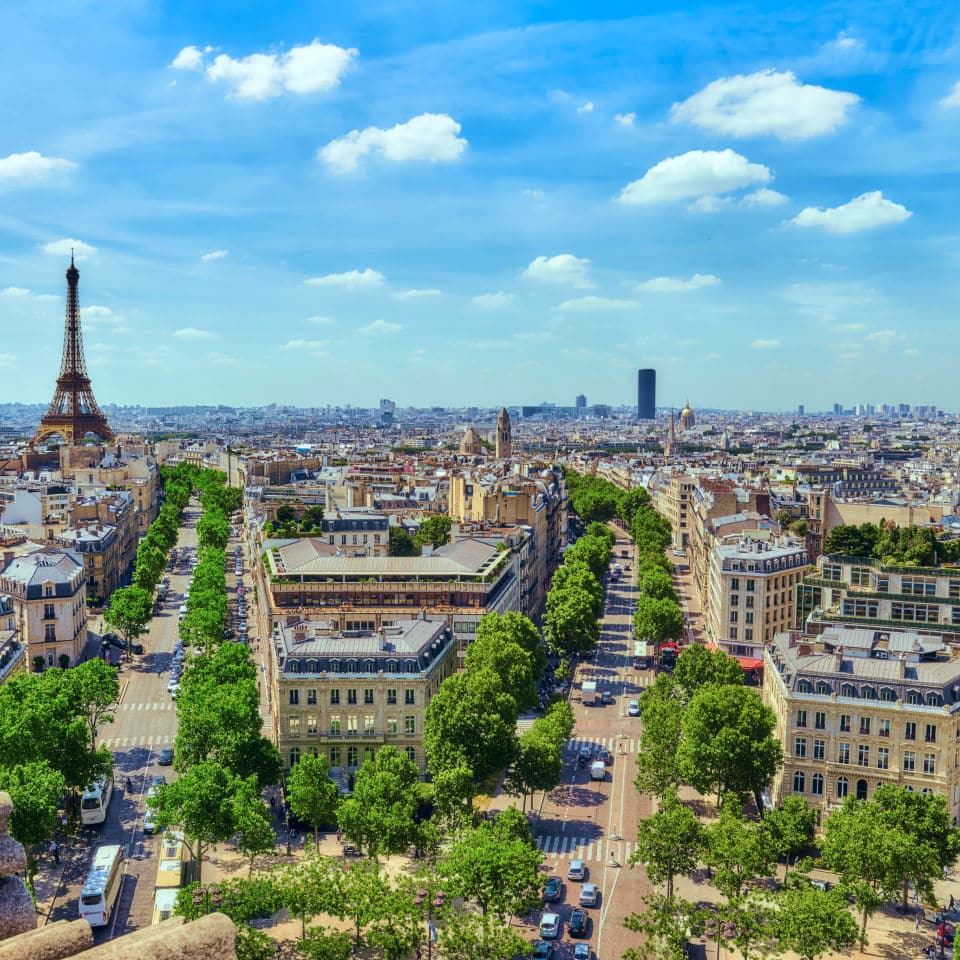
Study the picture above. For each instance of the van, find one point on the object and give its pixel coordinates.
(576, 870)
(183, 611)
(598, 770)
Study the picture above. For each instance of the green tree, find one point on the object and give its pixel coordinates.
(791, 826)
(200, 803)
(320, 943)
(401, 543)
(658, 770)
(656, 583)
(666, 926)
(359, 895)
(451, 792)
(576, 575)
(468, 936)
(434, 530)
(697, 666)
(510, 662)
(471, 720)
(515, 628)
(35, 789)
(286, 514)
(395, 930)
(593, 552)
(728, 743)
(312, 795)
(740, 852)
(379, 817)
(569, 622)
(129, 613)
(253, 831)
(852, 540)
(812, 922)
(149, 564)
(498, 872)
(669, 842)
(93, 689)
(312, 518)
(631, 502)
(539, 765)
(213, 529)
(657, 620)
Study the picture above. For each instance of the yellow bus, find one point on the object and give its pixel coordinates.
(173, 863)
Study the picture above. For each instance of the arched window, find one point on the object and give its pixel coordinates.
(888, 695)
(294, 756)
(843, 787)
(370, 666)
(816, 784)
(824, 689)
(848, 690)
(799, 781)
(334, 756)
(933, 700)
(351, 666)
(313, 666)
(861, 789)
(868, 693)
(412, 754)
(908, 788)
(352, 755)
(914, 697)
(334, 666)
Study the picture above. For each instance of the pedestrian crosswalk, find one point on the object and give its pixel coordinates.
(147, 740)
(583, 848)
(152, 705)
(613, 744)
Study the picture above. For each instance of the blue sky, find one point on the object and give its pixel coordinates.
(505, 202)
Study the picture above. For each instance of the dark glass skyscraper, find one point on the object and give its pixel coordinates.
(646, 394)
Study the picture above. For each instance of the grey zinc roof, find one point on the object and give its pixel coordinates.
(42, 567)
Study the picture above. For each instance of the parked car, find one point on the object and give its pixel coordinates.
(589, 895)
(586, 751)
(165, 757)
(633, 708)
(606, 756)
(581, 951)
(577, 924)
(576, 870)
(606, 697)
(157, 780)
(553, 889)
(550, 926)
(228, 633)
(543, 950)
(136, 648)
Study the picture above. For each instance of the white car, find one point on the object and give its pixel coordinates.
(550, 926)
(633, 708)
(589, 894)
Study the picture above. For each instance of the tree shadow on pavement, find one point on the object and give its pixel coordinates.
(577, 795)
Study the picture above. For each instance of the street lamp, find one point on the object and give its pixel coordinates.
(207, 897)
(712, 929)
(423, 896)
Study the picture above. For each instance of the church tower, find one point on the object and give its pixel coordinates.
(504, 445)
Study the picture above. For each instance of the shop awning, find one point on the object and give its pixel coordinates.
(749, 664)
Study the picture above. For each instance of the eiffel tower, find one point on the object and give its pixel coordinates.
(73, 412)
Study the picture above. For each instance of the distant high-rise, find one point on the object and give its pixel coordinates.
(646, 394)
(800, 410)
(581, 404)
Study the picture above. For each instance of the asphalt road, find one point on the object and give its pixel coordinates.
(595, 820)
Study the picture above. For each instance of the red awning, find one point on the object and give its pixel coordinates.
(749, 664)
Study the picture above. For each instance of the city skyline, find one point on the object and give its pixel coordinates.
(319, 207)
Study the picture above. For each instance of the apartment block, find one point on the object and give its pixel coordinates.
(858, 707)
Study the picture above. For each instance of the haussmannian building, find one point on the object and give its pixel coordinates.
(346, 693)
(859, 707)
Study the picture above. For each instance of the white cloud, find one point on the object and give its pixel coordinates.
(625, 119)
(677, 284)
(952, 99)
(192, 333)
(320, 321)
(416, 294)
(765, 103)
(765, 344)
(305, 345)
(585, 107)
(709, 204)
(429, 136)
(764, 197)
(15, 292)
(24, 167)
(534, 192)
(214, 255)
(694, 174)
(7, 359)
(64, 248)
(563, 268)
(596, 303)
(96, 315)
(312, 68)
(189, 58)
(492, 301)
(850, 327)
(351, 280)
(865, 212)
(379, 327)
(883, 337)
(223, 359)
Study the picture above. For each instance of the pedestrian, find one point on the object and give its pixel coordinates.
(55, 850)
(951, 901)
(917, 924)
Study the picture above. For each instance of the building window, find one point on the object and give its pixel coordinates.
(311, 698)
(294, 698)
(733, 616)
(748, 633)
(351, 696)
(816, 784)
(294, 726)
(393, 725)
(409, 697)
(843, 787)
(863, 755)
(733, 633)
(844, 722)
(930, 734)
(910, 731)
(914, 698)
(800, 747)
(801, 718)
(860, 576)
(933, 700)
(929, 763)
(868, 693)
(909, 761)
(353, 725)
(887, 695)
(820, 720)
(368, 696)
(751, 586)
(883, 728)
(883, 758)
(294, 756)
(819, 749)
(824, 689)
(50, 633)
(334, 756)
(49, 613)
(848, 690)
(352, 756)
(748, 618)
(734, 583)
(865, 726)
(843, 753)
(312, 725)
(334, 698)
(799, 782)
(734, 600)
(412, 754)
(335, 726)
(410, 726)
(369, 722)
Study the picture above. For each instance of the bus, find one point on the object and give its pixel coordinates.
(163, 903)
(102, 885)
(95, 800)
(172, 864)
